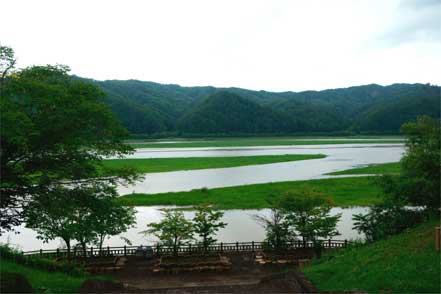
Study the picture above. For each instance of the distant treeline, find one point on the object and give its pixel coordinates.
(156, 110)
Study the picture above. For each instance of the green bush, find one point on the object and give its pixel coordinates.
(386, 220)
(37, 262)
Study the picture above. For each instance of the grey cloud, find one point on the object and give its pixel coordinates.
(420, 4)
(415, 21)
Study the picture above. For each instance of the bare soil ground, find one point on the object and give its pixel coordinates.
(245, 276)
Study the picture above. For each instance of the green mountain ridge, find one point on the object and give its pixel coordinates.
(225, 112)
(152, 108)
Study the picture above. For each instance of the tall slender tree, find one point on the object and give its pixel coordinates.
(206, 222)
(173, 230)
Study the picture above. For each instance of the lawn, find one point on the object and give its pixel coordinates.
(405, 263)
(243, 142)
(151, 165)
(352, 191)
(385, 168)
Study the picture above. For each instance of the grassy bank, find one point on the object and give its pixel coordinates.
(385, 168)
(244, 142)
(150, 165)
(344, 191)
(44, 281)
(405, 263)
(44, 275)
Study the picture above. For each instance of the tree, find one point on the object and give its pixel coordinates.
(86, 215)
(53, 216)
(118, 219)
(206, 223)
(384, 220)
(54, 129)
(418, 184)
(276, 228)
(307, 212)
(7, 63)
(174, 230)
(421, 164)
(275, 225)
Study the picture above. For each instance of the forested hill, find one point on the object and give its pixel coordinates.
(151, 108)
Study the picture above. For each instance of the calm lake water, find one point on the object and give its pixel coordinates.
(241, 224)
(241, 227)
(339, 157)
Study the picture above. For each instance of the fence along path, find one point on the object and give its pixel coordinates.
(159, 250)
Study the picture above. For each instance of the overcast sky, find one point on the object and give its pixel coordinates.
(261, 45)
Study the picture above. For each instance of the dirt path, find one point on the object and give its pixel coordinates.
(245, 276)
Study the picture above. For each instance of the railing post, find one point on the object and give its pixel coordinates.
(58, 252)
(125, 251)
(108, 251)
(222, 247)
(346, 242)
(189, 248)
(75, 252)
(237, 246)
(41, 252)
(329, 243)
(252, 246)
(91, 251)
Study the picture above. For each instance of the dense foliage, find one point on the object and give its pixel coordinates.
(225, 112)
(418, 184)
(86, 215)
(277, 227)
(55, 132)
(7, 253)
(421, 165)
(44, 275)
(151, 108)
(385, 220)
(302, 214)
(175, 230)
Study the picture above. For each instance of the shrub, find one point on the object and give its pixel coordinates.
(37, 262)
(385, 220)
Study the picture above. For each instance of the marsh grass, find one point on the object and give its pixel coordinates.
(384, 168)
(152, 165)
(244, 142)
(352, 191)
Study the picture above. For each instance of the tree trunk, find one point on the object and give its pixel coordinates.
(102, 237)
(84, 246)
(67, 241)
(205, 243)
(317, 249)
(175, 247)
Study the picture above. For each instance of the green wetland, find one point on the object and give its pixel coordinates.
(271, 141)
(154, 165)
(344, 192)
(238, 180)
